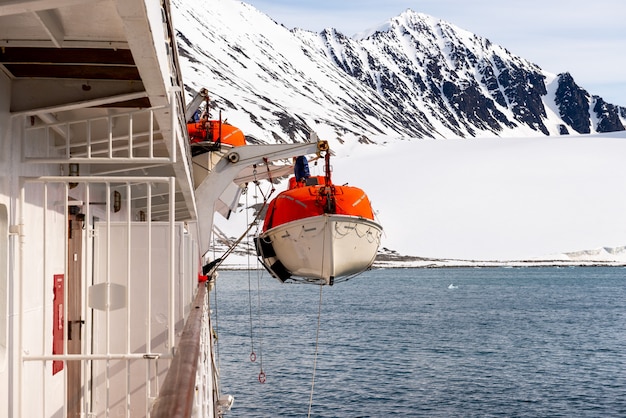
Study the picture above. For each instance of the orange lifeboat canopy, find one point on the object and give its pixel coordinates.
(215, 131)
(310, 198)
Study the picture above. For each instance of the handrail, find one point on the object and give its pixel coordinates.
(176, 396)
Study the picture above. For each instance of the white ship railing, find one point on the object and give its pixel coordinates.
(129, 337)
(126, 137)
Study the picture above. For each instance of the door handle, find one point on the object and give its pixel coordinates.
(70, 324)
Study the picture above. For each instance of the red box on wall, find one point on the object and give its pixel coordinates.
(58, 322)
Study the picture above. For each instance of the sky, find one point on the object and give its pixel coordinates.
(583, 37)
(489, 199)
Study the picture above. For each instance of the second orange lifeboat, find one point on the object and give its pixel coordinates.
(215, 132)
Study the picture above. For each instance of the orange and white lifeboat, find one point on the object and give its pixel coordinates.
(318, 232)
(205, 135)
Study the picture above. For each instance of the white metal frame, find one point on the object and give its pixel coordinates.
(26, 354)
(99, 139)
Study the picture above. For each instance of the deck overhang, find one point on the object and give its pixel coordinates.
(97, 58)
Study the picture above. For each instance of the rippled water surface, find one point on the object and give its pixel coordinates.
(530, 342)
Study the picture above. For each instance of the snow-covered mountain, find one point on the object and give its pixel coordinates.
(414, 77)
(528, 196)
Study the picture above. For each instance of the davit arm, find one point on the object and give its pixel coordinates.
(228, 168)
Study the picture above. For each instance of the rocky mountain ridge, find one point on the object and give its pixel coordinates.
(414, 77)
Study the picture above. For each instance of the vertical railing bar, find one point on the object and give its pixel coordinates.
(20, 310)
(110, 135)
(48, 143)
(21, 145)
(108, 293)
(44, 287)
(67, 140)
(127, 406)
(107, 388)
(147, 379)
(130, 136)
(88, 138)
(50, 138)
(84, 308)
(202, 397)
(46, 139)
(128, 292)
(147, 404)
(207, 350)
(149, 267)
(151, 135)
(43, 293)
(174, 125)
(172, 256)
(66, 276)
(156, 371)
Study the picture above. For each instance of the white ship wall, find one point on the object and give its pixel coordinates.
(37, 294)
(35, 320)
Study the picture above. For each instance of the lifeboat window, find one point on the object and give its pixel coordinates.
(4, 283)
(311, 181)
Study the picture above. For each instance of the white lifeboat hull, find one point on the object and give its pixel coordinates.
(321, 249)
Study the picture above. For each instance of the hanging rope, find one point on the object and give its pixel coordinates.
(317, 338)
(262, 376)
(253, 357)
(319, 322)
(252, 353)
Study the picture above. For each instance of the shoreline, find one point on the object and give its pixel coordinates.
(435, 263)
(241, 260)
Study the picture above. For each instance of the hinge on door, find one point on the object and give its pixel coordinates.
(16, 230)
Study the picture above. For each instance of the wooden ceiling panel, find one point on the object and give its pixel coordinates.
(77, 56)
(87, 72)
(79, 63)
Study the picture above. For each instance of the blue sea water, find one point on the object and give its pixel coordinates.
(506, 342)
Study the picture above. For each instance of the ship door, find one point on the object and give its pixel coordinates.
(75, 321)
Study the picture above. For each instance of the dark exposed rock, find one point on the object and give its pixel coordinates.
(473, 107)
(291, 125)
(524, 89)
(573, 104)
(608, 116)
